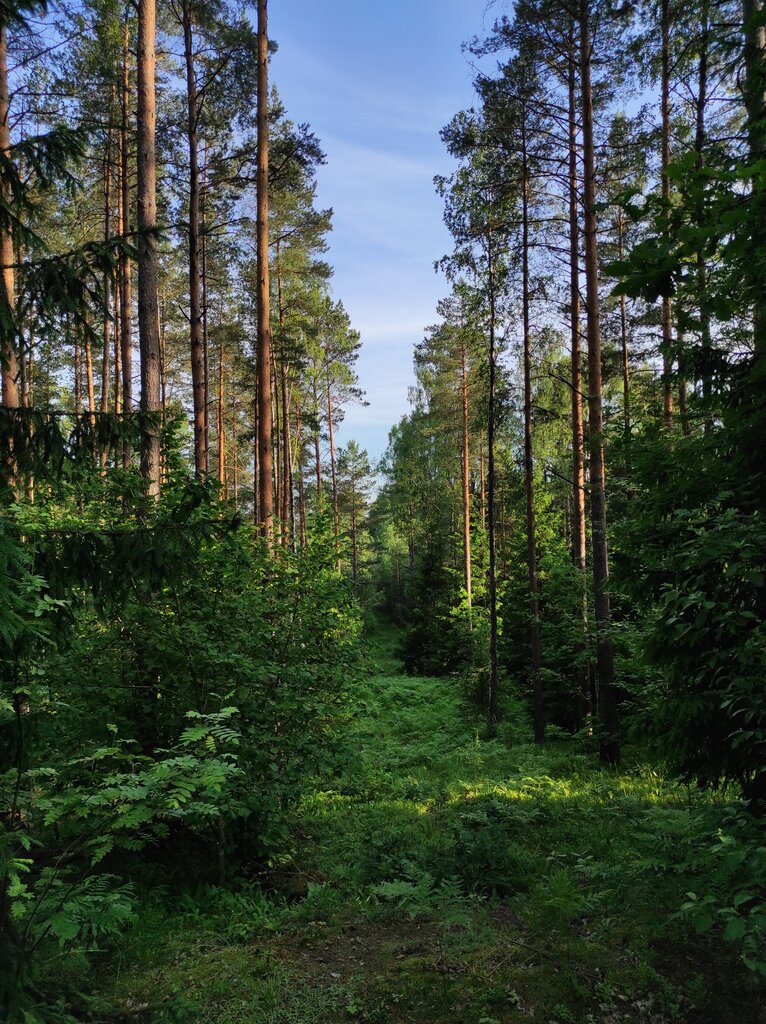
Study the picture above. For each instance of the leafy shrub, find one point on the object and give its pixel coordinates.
(171, 687)
(732, 896)
(483, 855)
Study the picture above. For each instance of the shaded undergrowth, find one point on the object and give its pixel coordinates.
(439, 877)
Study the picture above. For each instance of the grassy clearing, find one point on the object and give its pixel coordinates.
(442, 878)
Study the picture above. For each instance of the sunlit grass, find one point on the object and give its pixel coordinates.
(544, 882)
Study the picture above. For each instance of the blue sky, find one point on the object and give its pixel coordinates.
(376, 81)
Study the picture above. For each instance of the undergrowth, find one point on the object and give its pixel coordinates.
(439, 877)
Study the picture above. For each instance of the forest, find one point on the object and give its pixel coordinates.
(472, 732)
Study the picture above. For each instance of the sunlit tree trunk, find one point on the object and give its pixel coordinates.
(221, 425)
(317, 451)
(286, 500)
(333, 471)
(107, 283)
(579, 530)
(77, 366)
(624, 336)
(263, 353)
(287, 470)
(529, 483)
(235, 469)
(195, 296)
(148, 296)
(90, 387)
(10, 370)
(607, 698)
(126, 299)
(482, 487)
(301, 485)
(492, 702)
(354, 530)
(466, 472)
(204, 292)
(116, 325)
(276, 438)
(256, 461)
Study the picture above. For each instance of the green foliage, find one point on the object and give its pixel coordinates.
(180, 708)
(733, 901)
(693, 556)
(395, 919)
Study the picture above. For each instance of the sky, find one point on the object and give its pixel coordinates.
(376, 80)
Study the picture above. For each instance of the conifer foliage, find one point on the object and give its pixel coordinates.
(566, 531)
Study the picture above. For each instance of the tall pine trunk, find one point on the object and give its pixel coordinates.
(201, 464)
(466, 474)
(333, 472)
(607, 697)
(107, 285)
(221, 425)
(626, 421)
(10, 389)
(755, 105)
(700, 138)
(89, 383)
(263, 351)
(492, 702)
(667, 329)
(354, 531)
(317, 450)
(299, 469)
(126, 298)
(148, 297)
(579, 529)
(529, 483)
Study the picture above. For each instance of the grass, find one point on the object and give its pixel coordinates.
(438, 877)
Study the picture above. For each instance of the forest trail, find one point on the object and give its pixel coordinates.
(442, 878)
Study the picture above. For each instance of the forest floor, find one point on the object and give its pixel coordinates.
(442, 878)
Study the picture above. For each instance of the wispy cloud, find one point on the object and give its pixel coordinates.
(377, 82)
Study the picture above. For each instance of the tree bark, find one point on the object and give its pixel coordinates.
(466, 475)
(482, 487)
(287, 473)
(205, 346)
(221, 426)
(126, 299)
(317, 451)
(107, 285)
(148, 294)
(492, 701)
(77, 361)
(579, 529)
(263, 354)
(256, 461)
(700, 134)
(91, 390)
(301, 486)
(276, 440)
(607, 697)
(354, 530)
(199, 398)
(667, 319)
(10, 370)
(624, 338)
(529, 483)
(755, 105)
(116, 330)
(333, 473)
